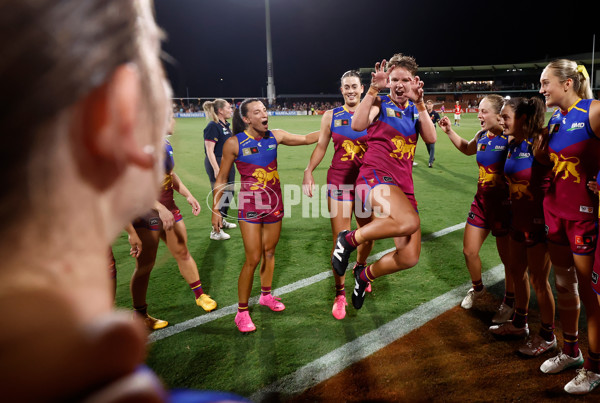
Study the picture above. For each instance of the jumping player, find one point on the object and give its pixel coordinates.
(260, 205)
(393, 123)
(528, 180)
(166, 222)
(571, 215)
(490, 210)
(350, 147)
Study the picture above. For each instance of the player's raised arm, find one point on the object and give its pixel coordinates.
(369, 107)
(290, 139)
(318, 153)
(463, 145)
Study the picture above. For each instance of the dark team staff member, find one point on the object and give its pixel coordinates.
(216, 134)
(435, 118)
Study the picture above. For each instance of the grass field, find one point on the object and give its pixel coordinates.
(215, 355)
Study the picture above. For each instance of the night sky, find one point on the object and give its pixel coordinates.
(219, 46)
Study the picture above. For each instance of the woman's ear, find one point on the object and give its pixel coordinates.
(110, 116)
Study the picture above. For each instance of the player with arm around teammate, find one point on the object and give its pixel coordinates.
(571, 214)
(490, 210)
(350, 147)
(523, 121)
(384, 185)
(253, 149)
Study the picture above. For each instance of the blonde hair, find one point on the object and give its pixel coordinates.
(497, 102)
(212, 108)
(566, 69)
(59, 52)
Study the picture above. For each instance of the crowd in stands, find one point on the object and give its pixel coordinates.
(312, 108)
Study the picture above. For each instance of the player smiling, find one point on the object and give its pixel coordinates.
(260, 206)
(350, 147)
(385, 185)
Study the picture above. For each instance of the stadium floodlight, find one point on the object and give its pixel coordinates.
(270, 79)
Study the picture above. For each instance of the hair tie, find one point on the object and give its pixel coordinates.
(581, 69)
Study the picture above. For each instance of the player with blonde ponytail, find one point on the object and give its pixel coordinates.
(572, 148)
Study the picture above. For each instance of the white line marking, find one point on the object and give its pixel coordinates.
(231, 309)
(341, 358)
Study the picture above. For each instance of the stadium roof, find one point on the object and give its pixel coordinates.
(581, 58)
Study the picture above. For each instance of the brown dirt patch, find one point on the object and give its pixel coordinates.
(450, 359)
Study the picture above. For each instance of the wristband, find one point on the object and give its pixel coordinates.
(421, 106)
(373, 91)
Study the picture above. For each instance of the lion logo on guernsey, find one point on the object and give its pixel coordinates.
(403, 147)
(263, 177)
(519, 189)
(486, 177)
(566, 165)
(353, 150)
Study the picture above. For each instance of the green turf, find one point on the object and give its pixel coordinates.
(216, 355)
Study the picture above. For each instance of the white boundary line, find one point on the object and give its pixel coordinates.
(341, 358)
(231, 309)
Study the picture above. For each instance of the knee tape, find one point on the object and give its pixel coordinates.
(566, 287)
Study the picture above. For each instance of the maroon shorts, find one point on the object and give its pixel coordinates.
(373, 178)
(340, 192)
(152, 221)
(340, 184)
(260, 217)
(596, 273)
(260, 207)
(491, 214)
(581, 236)
(529, 238)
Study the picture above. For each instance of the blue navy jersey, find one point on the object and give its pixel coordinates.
(491, 155)
(217, 133)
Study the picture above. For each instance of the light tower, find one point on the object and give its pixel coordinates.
(270, 81)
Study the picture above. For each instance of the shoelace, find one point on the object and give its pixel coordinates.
(559, 357)
(272, 297)
(581, 376)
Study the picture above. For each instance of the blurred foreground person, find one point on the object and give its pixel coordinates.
(84, 108)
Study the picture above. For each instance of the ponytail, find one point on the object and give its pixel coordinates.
(211, 108)
(585, 90)
(238, 123)
(567, 69)
(536, 114)
(534, 111)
